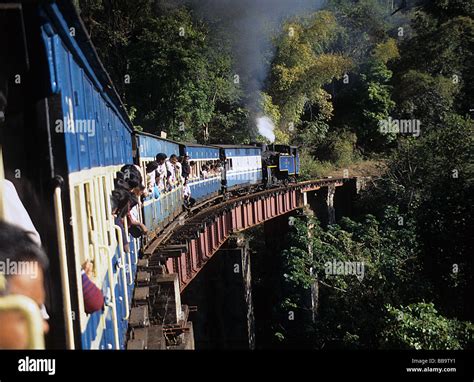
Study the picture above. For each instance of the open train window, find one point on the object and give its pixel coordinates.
(229, 164)
(143, 168)
(100, 214)
(107, 210)
(147, 176)
(89, 209)
(91, 220)
(78, 215)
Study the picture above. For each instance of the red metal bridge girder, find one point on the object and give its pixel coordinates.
(243, 214)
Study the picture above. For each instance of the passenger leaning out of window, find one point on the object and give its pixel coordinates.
(161, 172)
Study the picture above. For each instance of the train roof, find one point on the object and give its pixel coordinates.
(68, 12)
(197, 151)
(237, 146)
(190, 144)
(155, 136)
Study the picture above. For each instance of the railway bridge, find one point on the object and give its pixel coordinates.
(176, 256)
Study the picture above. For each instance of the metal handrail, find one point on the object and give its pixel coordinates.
(125, 226)
(130, 273)
(33, 317)
(58, 209)
(123, 267)
(111, 303)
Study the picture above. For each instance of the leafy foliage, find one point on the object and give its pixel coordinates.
(420, 326)
(302, 65)
(359, 312)
(179, 76)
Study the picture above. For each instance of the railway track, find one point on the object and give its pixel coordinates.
(189, 223)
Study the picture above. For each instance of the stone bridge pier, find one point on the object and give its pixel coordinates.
(329, 204)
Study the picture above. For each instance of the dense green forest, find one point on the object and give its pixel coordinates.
(350, 81)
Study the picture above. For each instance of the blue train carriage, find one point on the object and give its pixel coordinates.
(206, 170)
(96, 141)
(288, 161)
(243, 165)
(157, 210)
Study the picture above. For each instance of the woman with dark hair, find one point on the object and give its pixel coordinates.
(129, 177)
(17, 247)
(126, 197)
(121, 199)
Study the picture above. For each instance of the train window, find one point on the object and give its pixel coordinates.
(145, 175)
(107, 210)
(80, 224)
(97, 209)
(91, 219)
(76, 222)
(89, 208)
(195, 170)
(148, 176)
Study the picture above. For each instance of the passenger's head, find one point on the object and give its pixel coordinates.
(160, 158)
(131, 175)
(140, 190)
(129, 178)
(22, 268)
(120, 199)
(151, 166)
(173, 158)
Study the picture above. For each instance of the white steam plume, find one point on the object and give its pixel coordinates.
(266, 127)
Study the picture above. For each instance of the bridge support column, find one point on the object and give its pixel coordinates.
(223, 296)
(321, 204)
(345, 196)
(331, 191)
(314, 293)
